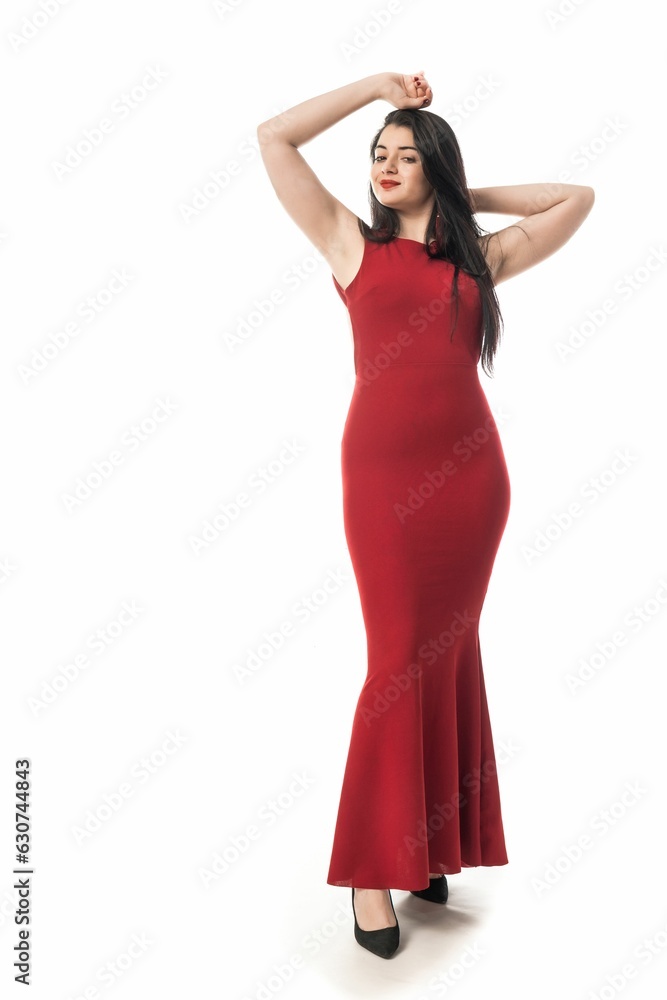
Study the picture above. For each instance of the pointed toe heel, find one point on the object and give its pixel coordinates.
(383, 942)
(437, 892)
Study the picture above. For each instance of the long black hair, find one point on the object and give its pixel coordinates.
(452, 225)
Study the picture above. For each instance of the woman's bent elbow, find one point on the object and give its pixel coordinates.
(588, 194)
(271, 129)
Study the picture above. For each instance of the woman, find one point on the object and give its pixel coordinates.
(425, 486)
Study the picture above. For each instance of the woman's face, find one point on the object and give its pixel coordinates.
(409, 191)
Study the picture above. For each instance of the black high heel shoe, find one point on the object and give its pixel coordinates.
(437, 892)
(382, 942)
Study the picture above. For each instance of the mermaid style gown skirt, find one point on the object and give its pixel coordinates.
(426, 498)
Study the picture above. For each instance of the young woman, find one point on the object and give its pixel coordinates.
(425, 487)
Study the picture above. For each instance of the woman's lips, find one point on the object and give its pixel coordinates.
(388, 184)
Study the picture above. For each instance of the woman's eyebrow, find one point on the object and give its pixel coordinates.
(400, 147)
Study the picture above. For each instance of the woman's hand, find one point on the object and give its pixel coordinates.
(329, 224)
(412, 91)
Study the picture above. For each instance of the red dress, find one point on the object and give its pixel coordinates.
(426, 497)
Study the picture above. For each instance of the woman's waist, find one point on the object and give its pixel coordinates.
(380, 347)
(429, 373)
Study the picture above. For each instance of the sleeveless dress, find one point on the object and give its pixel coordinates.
(426, 497)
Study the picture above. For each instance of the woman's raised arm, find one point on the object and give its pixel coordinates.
(551, 212)
(328, 224)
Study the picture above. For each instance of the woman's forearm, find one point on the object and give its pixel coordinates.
(525, 199)
(304, 121)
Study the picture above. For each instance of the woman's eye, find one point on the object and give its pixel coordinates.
(410, 159)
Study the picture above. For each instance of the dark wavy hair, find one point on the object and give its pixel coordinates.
(452, 224)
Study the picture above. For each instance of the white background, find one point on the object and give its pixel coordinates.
(270, 925)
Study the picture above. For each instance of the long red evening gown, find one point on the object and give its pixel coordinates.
(426, 497)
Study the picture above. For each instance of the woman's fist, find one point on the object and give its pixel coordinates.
(411, 91)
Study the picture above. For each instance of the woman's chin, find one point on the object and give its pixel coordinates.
(390, 202)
